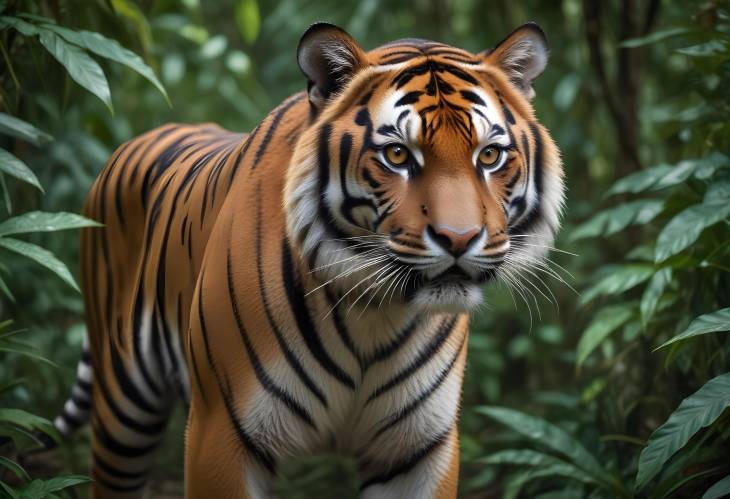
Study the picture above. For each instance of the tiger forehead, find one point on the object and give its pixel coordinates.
(445, 93)
(407, 49)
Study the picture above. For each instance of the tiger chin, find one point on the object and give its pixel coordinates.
(306, 287)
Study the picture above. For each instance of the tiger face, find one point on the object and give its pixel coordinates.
(424, 173)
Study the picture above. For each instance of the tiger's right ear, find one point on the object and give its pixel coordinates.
(328, 56)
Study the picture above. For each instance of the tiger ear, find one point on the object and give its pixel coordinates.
(523, 55)
(328, 56)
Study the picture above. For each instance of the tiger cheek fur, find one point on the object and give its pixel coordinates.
(306, 287)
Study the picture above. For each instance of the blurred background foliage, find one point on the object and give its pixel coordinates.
(575, 384)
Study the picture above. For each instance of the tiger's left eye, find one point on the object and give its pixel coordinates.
(397, 154)
(489, 156)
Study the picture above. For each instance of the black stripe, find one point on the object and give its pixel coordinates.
(431, 349)
(113, 445)
(409, 98)
(123, 418)
(129, 389)
(274, 124)
(261, 375)
(289, 355)
(122, 489)
(472, 97)
(295, 296)
(114, 471)
(406, 465)
(418, 401)
(248, 442)
(384, 351)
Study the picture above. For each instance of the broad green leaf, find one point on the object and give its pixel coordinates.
(653, 292)
(549, 435)
(639, 181)
(615, 219)
(109, 49)
(28, 422)
(684, 229)
(718, 192)
(662, 176)
(14, 167)
(15, 127)
(605, 322)
(697, 411)
(14, 467)
(528, 457)
(40, 255)
(709, 323)
(5, 193)
(248, 19)
(719, 490)
(39, 221)
(619, 280)
(18, 348)
(81, 68)
(41, 489)
(6, 290)
(23, 27)
(654, 37)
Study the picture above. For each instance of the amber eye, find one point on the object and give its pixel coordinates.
(397, 154)
(490, 156)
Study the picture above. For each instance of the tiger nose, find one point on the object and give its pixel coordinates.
(455, 241)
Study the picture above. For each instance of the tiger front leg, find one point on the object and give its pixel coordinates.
(217, 463)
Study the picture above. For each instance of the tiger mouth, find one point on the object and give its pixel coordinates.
(455, 275)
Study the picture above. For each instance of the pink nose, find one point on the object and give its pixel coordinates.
(455, 241)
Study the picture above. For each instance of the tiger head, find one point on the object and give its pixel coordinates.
(422, 172)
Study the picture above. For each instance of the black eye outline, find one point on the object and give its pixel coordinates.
(407, 163)
(498, 164)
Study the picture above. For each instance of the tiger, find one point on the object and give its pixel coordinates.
(307, 287)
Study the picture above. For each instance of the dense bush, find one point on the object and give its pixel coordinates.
(619, 389)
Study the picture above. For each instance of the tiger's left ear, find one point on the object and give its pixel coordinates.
(328, 56)
(523, 56)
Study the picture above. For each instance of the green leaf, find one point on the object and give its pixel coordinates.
(15, 127)
(662, 176)
(684, 229)
(719, 490)
(707, 49)
(606, 321)
(517, 481)
(654, 37)
(40, 255)
(10, 492)
(697, 411)
(110, 49)
(14, 467)
(528, 457)
(615, 219)
(14, 167)
(28, 422)
(718, 192)
(40, 489)
(653, 292)
(39, 221)
(709, 323)
(248, 19)
(617, 281)
(639, 181)
(81, 68)
(549, 435)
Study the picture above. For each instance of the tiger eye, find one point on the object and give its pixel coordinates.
(489, 156)
(396, 154)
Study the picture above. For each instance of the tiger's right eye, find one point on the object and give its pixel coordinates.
(397, 154)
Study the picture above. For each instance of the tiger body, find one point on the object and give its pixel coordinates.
(245, 273)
